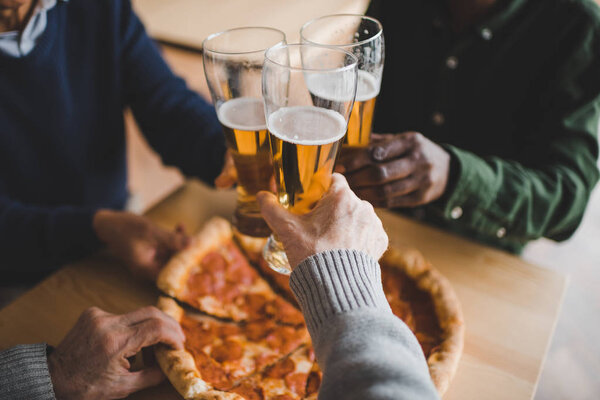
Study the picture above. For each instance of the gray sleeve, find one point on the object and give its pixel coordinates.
(364, 350)
(24, 373)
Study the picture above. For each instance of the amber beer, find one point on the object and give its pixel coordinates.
(304, 142)
(243, 122)
(361, 118)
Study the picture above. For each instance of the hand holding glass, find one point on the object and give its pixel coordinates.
(308, 91)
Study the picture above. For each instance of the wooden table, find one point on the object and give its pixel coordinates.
(510, 306)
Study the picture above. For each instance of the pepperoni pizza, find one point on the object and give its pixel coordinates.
(245, 335)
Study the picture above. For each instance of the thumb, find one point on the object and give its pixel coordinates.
(275, 215)
(174, 240)
(144, 378)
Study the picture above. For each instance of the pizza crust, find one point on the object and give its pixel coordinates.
(179, 365)
(443, 360)
(172, 277)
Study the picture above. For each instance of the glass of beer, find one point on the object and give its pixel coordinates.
(233, 61)
(363, 37)
(308, 91)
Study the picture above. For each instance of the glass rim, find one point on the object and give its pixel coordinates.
(241, 28)
(361, 16)
(278, 46)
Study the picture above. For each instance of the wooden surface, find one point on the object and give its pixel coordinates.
(189, 22)
(510, 306)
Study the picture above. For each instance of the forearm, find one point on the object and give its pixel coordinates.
(178, 123)
(504, 199)
(24, 373)
(38, 239)
(365, 352)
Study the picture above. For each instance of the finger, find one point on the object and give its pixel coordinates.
(145, 378)
(338, 183)
(228, 176)
(353, 159)
(225, 180)
(383, 195)
(339, 168)
(158, 329)
(171, 241)
(410, 200)
(377, 137)
(398, 146)
(141, 314)
(277, 217)
(375, 175)
(180, 230)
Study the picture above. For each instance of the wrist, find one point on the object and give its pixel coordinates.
(101, 223)
(56, 377)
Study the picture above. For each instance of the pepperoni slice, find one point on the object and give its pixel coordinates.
(255, 303)
(313, 382)
(230, 350)
(239, 270)
(283, 397)
(297, 382)
(227, 330)
(284, 339)
(281, 369)
(197, 334)
(262, 360)
(257, 330)
(249, 392)
(211, 371)
(284, 312)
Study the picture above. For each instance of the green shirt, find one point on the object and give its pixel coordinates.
(514, 99)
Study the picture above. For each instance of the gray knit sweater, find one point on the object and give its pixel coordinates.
(365, 352)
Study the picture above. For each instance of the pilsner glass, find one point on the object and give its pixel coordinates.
(363, 37)
(305, 130)
(233, 62)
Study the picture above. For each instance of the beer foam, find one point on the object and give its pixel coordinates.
(323, 86)
(368, 86)
(243, 113)
(307, 125)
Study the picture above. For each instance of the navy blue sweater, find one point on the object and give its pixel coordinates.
(62, 140)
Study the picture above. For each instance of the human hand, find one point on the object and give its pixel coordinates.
(143, 246)
(92, 363)
(228, 176)
(403, 170)
(340, 220)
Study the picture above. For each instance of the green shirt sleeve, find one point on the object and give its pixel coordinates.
(520, 201)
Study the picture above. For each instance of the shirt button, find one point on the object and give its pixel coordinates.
(456, 212)
(452, 62)
(438, 119)
(500, 233)
(486, 34)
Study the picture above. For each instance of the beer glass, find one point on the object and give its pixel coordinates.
(305, 130)
(363, 37)
(233, 61)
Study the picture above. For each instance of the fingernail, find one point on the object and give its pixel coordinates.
(378, 153)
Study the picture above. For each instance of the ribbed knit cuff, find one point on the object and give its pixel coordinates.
(337, 281)
(24, 373)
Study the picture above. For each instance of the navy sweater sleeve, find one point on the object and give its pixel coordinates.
(36, 239)
(179, 124)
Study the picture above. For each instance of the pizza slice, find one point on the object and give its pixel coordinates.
(218, 355)
(213, 276)
(252, 248)
(287, 379)
(425, 300)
